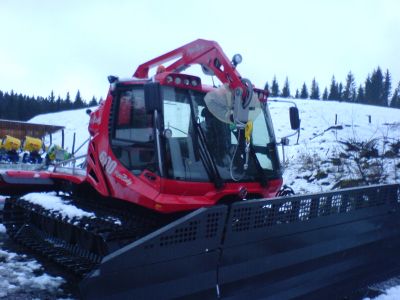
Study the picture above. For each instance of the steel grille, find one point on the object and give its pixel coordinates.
(261, 213)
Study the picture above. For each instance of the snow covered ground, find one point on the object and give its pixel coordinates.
(340, 144)
(24, 278)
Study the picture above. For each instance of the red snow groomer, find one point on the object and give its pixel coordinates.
(169, 165)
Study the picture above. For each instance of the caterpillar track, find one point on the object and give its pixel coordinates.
(77, 244)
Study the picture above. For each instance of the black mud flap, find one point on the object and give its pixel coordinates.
(316, 246)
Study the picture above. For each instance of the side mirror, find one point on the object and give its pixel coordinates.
(152, 96)
(294, 117)
(88, 111)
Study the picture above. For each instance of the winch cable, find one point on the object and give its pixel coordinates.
(249, 93)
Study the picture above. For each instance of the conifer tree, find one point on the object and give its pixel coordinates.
(360, 95)
(67, 102)
(314, 94)
(325, 94)
(11, 106)
(334, 90)
(374, 88)
(78, 103)
(93, 102)
(387, 86)
(286, 89)
(266, 87)
(377, 85)
(304, 92)
(21, 112)
(274, 88)
(20, 107)
(59, 103)
(51, 96)
(353, 94)
(297, 95)
(368, 91)
(349, 89)
(340, 90)
(52, 102)
(395, 102)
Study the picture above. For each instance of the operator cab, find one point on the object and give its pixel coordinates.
(171, 128)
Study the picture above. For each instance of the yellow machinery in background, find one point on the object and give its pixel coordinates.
(32, 148)
(9, 149)
(32, 144)
(10, 143)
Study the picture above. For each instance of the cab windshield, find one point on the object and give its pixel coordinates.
(197, 141)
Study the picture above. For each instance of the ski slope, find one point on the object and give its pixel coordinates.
(75, 122)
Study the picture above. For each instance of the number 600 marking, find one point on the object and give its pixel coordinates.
(107, 162)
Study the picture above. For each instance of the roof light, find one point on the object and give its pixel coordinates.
(237, 59)
(169, 79)
(178, 80)
(186, 81)
(194, 82)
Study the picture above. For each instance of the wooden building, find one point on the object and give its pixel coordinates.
(20, 129)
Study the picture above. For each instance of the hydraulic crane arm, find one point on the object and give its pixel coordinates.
(207, 54)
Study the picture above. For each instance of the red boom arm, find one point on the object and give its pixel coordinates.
(207, 54)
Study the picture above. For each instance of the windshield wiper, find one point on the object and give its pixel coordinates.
(205, 155)
(208, 159)
(260, 171)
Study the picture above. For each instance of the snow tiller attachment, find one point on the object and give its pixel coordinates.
(320, 246)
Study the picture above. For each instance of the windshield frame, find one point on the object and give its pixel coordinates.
(208, 159)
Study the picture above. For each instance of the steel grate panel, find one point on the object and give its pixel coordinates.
(248, 215)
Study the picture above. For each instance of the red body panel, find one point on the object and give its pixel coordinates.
(16, 181)
(77, 179)
(161, 194)
(165, 195)
(180, 195)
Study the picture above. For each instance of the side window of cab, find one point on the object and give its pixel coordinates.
(132, 138)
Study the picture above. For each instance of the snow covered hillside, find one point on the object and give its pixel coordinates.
(74, 121)
(340, 145)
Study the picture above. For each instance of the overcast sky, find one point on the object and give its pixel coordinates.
(69, 45)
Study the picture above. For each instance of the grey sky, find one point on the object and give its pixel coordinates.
(69, 45)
